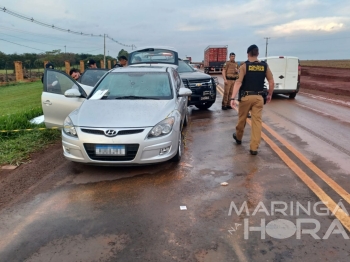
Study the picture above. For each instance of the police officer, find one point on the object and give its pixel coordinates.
(92, 63)
(250, 84)
(230, 75)
(123, 61)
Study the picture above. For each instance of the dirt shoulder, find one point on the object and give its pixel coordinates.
(335, 81)
(14, 183)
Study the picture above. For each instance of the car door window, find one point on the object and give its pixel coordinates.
(177, 79)
(58, 82)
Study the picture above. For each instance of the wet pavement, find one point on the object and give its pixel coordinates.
(268, 211)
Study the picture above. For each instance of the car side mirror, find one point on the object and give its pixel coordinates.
(184, 92)
(73, 92)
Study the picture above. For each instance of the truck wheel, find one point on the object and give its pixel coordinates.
(204, 106)
(292, 95)
(180, 148)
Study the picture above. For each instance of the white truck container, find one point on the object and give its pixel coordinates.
(286, 74)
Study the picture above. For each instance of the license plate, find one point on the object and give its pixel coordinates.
(110, 150)
(205, 98)
(278, 85)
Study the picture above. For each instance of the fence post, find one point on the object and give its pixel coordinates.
(82, 68)
(109, 64)
(67, 65)
(18, 71)
(102, 64)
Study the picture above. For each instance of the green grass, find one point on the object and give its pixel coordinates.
(18, 104)
(20, 97)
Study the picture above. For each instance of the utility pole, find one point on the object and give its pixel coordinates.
(65, 49)
(104, 51)
(267, 42)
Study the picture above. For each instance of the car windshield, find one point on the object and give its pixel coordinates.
(184, 67)
(152, 55)
(135, 85)
(91, 76)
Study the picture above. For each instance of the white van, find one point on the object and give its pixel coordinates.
(286, 74)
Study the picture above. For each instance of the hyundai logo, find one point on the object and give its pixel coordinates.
(111, 133)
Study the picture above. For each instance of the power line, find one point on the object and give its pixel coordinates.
(40, 35)
(31, 19)
(39, 42)
(22, 45)
(29, 40)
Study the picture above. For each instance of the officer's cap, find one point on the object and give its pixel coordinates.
(122, 57)
(91, 62)
(49, 65)
(251, 48)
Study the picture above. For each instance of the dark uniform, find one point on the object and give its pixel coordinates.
(231, 71)
(252, 76)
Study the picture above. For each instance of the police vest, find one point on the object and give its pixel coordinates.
(230, 69)
(255, 76)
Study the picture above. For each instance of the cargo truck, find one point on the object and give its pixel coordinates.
(214, 58)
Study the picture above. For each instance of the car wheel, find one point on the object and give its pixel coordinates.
(292, 95)
(180, 146)
(204, 106)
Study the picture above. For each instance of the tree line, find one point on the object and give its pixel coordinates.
(34, 61)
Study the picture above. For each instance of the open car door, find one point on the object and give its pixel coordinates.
(56, 106)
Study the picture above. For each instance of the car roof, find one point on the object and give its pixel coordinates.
(136, 68)
(156, 47)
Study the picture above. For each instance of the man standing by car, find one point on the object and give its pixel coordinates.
(123, 61)
(75, 74)
(230, 75)
(92, 63)
(250, 84)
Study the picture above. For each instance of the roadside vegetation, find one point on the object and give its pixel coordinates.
(326, 63)
(20, 103)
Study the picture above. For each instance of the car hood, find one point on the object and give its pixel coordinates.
(194, 75)
(122, 113)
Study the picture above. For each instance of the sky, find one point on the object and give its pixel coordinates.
(308, 29)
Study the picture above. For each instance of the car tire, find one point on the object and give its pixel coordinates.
(204, 106)
(292, 95)
(179, 152)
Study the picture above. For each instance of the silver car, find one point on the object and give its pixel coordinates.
(134, 115)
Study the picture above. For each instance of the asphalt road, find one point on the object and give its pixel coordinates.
(270, 209)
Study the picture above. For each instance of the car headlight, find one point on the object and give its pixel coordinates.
(162, 128)
(68, 127)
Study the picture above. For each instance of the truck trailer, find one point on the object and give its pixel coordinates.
(214, 58)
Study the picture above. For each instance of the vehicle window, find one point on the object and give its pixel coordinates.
(91, 76)
(178, 80)
(184, 67)
(138, 84)
(58, 83)
(152, 55)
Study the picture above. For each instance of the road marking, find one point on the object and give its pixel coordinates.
(332, 206)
